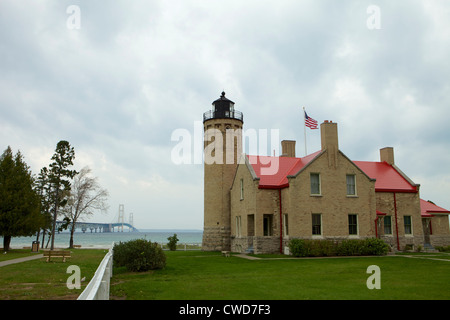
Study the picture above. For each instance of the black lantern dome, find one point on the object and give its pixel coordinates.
(223, 108)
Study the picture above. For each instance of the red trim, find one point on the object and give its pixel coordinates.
(376, 227)
(281, 223)
(396, 190)
(396, 221)
(273, 187)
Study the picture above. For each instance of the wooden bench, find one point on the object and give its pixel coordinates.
(226, 253)
(56, 254)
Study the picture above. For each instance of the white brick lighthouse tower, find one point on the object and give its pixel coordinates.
(222, 148)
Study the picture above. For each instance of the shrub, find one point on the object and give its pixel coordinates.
(374, 246)
(172, 242)
(443, 248)
(349, 247)
(312, 248)
(139, 255)
(321, 248)
(297, 248)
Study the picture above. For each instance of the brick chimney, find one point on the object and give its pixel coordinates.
(329, 140)
(387, 154)
(288, 148)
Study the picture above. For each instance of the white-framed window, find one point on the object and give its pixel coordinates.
(407, 221)
(353, 224)
(351, 184)
(315, 183)
(316, 224)
(242, 189)
(387, 224)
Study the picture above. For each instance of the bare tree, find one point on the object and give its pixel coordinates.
(86, 196)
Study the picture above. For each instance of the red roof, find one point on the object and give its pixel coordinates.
(273, 172)
(428, 208)
(388, 179)
(276, 169)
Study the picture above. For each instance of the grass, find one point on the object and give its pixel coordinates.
(195, 275)
(40, 280)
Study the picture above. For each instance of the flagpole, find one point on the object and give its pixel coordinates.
(304, 130)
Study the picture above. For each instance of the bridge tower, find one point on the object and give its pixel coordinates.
(130, 221)
(121, 215)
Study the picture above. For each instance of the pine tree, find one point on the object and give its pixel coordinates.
(19, 202)
(58, 177)
(43, 189)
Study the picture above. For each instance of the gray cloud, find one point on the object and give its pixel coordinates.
(118, 87)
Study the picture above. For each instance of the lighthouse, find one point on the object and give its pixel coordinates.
(222, 127)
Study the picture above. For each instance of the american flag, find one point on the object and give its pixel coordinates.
(310, 122)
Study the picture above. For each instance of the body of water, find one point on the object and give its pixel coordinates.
(104, 240)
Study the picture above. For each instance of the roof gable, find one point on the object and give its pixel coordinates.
(281, 168)
(388, 179)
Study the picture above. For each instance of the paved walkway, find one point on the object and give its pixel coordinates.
(12, 261)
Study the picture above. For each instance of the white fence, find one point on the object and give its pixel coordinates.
(98, 287)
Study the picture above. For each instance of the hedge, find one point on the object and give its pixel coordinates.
(350, 247)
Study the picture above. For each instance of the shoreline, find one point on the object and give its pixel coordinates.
(104, 240)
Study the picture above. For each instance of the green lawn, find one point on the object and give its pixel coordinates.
(195, 275)
(40, 280)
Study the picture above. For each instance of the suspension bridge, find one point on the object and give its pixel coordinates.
(116, 226)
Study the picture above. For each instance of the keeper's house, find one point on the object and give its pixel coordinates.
(325, 195)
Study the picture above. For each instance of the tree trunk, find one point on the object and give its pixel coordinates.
(48, 241)
(43, 237)
(54, 217)
(6, 242)
(71, 236)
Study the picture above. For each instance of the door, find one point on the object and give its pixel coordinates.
(426, 223)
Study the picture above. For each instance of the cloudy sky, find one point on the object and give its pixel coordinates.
(116, 79)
